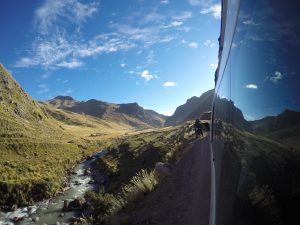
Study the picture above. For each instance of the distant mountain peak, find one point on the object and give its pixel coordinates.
(192, 109)
(64, 98)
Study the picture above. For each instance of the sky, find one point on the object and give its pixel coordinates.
(157, 53)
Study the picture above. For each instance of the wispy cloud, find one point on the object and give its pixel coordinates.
(164, 2)
(122, 64)
(251, 86)
(277, 76)
(59, 42)
(208, 7)
(70, 65)
(169, 84)
(43, 88)
(54, 12)
(214, 10)
(46, 75)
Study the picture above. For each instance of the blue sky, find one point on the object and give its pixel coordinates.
(157, 53)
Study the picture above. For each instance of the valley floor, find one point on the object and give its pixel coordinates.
(184, 196)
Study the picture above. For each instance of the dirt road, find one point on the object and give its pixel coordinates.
(183, 198)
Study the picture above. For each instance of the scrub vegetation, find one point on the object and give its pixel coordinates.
(129, 170)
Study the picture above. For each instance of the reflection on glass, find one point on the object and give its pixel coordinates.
(258, 158)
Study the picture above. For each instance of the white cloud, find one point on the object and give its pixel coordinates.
(277, 76)
(251, 86)
(214, 65)
(209, 43)
(169, 84)
(122, 64)
(146, 75)
(214, 10)
(176, 23)
(193, 45)
(70, 65)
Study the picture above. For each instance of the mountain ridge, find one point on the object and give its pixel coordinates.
(106, 110)
(192, 109)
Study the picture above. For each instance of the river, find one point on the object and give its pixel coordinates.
(50, 211)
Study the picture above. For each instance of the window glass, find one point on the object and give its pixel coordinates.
(266, 114)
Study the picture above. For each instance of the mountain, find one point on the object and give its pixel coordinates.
(130, 113)
(284, 127)
(192, 109)
(39, 142)
(286, 119)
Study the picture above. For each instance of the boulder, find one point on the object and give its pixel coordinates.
(87, 172)
(35, 219)
(66, 205)
(77, 182)
(76, 204)
(161, 170)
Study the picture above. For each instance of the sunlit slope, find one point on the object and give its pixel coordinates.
(131, 113)
(35, 149)
(88, 127)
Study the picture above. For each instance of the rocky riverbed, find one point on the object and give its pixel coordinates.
(63, 208)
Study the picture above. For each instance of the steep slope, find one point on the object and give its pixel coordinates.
(18, 112)
(131, 113)
(192, 109)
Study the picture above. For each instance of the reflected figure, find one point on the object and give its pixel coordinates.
(198, 128)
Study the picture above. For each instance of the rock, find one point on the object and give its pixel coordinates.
(161, 170)
(57, 223)
(76, 204)
(14, 207)
(66, 205)
(91, 181)
(77, 182)
(35, 219)
(61, 215)
(31, 210)
(17, 218)
(87, 172)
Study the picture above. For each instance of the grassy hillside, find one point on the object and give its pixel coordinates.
(38, 143)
